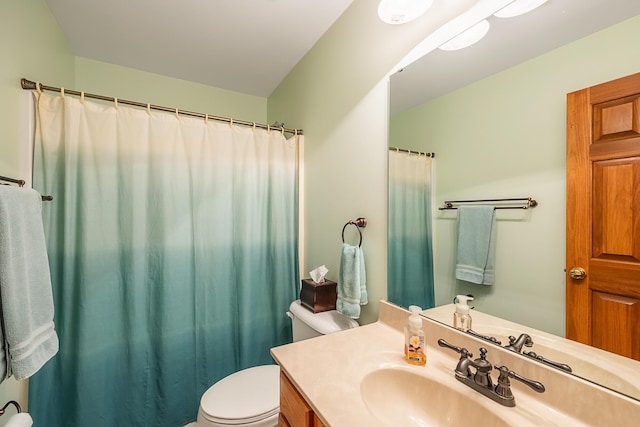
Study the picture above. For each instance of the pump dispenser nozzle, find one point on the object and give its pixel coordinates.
(461, 303)
(414, 320)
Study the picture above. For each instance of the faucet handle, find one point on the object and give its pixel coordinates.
(462, 368)
(460, 350)
(503, 388)
(489, 338)
(534, 355)
(506, 373)
(464, 353)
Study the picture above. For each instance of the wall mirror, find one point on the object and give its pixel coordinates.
(494, 115)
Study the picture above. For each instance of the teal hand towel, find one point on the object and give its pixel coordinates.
(476, 244)
(28, 338)
(352, 288)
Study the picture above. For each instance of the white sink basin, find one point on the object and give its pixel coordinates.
(398, 397)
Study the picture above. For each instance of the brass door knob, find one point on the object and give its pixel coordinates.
(578, 273)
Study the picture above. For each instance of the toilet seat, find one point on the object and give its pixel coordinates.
(245, 397)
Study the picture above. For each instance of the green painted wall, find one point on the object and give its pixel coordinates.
(31, 46)
(126, 83)
(338, 94)
(504, 136)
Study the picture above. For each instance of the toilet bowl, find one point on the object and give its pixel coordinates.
(251, 397)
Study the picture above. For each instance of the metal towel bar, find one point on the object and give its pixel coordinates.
(514, 203)
(21, 183)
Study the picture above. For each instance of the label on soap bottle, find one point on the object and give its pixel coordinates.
(414, 350)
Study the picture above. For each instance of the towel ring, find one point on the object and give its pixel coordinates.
(359, 232)
(11, 402)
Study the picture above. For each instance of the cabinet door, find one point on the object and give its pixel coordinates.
(293, 407)
(282, 421)
(316, 421)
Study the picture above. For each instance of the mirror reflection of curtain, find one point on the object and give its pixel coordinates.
(410, 253)
(174, 258)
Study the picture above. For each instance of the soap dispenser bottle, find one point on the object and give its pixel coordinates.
(414, 349)
(461, 317)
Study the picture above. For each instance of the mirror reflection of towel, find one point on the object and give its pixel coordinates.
(476, 244)
(352, 290)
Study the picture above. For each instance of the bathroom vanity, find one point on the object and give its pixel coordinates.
(294, 409)
(359, 377)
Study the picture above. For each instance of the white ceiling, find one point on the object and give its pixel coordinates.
(508, 43)
(249, 46)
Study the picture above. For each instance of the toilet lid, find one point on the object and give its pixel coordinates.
(245, 396)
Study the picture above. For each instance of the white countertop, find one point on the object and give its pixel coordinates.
(328, 372)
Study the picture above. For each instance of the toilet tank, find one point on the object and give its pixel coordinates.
(307, 324)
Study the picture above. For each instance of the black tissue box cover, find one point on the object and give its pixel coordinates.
(318, 297)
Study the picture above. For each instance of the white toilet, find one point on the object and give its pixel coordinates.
(251, 397)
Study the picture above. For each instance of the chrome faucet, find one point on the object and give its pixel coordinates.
(516, 345)
(481, 381)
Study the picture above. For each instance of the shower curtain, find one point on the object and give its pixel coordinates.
(410, 253)
(174, 257)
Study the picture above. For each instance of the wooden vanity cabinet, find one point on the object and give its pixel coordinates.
(316, 421)
(294, 410)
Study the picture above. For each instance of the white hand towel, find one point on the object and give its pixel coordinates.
(476, 244)
(352, 289)
(29, 338)
(20, 420)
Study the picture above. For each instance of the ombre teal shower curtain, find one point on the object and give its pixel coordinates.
(174, 257)
(410, 246)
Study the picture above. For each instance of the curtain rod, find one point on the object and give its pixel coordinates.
(30, 85)
(404, 150)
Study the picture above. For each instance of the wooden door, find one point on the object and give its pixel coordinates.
(603, 216)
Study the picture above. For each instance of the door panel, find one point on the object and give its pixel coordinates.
(617, 314)
(616, 185)
(616, 119)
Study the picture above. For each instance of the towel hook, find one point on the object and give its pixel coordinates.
(359, 223)
(11, 402)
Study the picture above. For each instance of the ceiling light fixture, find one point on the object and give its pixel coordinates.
(519, 7)
(468, 37)
(402, 11)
